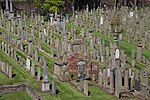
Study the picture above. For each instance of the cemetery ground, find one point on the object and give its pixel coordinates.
(66, 90)
(45, 63)
(16, 96)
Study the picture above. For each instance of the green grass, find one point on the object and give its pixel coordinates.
(16, 96)
(20, 73)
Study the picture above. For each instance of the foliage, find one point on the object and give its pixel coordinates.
(50, 5)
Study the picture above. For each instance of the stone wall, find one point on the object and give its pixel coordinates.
(4, 89)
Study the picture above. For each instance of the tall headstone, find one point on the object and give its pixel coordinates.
(67, 18)
(100, 78)
(126, 79)
(139, 52)
(53, 88)
(85, 87)
(118, 82)
(29, 47)
(38, 74)
(51, 19)
(133, 58)
(11, 10)
(7, 9)
(10, 72)
(36, 54)
(45, 82)
(112, 81)
(33, 69)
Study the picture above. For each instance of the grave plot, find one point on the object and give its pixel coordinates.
(68, 57)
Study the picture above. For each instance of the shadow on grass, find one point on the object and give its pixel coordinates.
(89, 93)
(13, 75)
(41, 78)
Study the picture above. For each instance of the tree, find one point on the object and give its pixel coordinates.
(50, 5)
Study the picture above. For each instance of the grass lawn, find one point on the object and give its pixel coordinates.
(16, 96)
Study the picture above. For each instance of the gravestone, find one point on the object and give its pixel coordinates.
(10, 72)
(80, 65)
(133, 58)
(28, 63)
(11, 10)
(100, 78)
(53, 88)
(112, 79)
(33, 69)
(139, 52)
(117, 82)
(85, 87)
(45, 82)
(7, 9)
(38, 74)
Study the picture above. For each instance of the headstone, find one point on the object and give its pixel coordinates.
(45, 82)
(29, 47)
(33, 69)
(137, 84)
(93, 77)
(86, 87)
(133, 58)
(36, 54)
(112, 81)
(101, 20)
(100, 78)
(11, 10)
(38, 74)
(104, 78)
(80, 65)
(67, 18)
(118, 82)
(87, 8)
(139, 52)
(51, 19)
(53, 88)
(28, 63)
(131, 14)
(126, 79)
(117, 54)
(7, 9)
(10, 72)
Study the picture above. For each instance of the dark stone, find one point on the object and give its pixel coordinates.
(137, 85)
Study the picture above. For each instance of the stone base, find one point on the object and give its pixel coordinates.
(11, 15)
(45, 86)
(53, 94)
